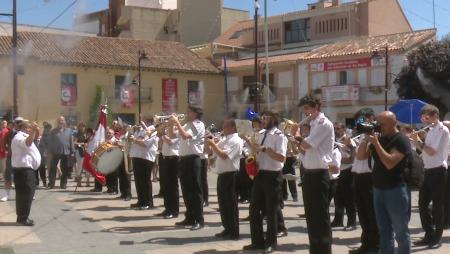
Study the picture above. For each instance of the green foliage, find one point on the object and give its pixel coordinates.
(427, 75)
(94, 108)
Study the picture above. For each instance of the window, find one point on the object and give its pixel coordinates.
(118, 82)
(297, 31)
(194, 96)
(342, 78)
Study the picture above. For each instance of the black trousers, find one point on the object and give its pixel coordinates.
(64, 164)
(191, 187)
(142, 169)
(433, 190)
(266, 194)
(333, 188)
(25, 182)
(288, 168)
(244, 183)
(205, 190)
(124, 180)
(228, 204)
(168, 179)
(316, 191)
(41, 173)
(363, 192)
(112, 181)
(447, 201)
(344, 198)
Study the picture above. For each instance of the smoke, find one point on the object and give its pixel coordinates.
(430, 86)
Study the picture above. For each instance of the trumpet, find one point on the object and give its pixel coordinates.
(423, 129)
(165, 119)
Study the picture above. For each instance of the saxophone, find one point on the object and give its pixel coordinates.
(251, 165)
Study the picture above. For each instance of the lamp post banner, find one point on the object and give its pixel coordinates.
(169, 95)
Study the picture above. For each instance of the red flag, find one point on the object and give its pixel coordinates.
(99, 137)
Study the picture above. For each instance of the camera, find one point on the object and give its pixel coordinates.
(368, 128)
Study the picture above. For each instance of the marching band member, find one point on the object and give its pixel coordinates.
(111, 178)
(434, 155)
(334, 171)
(447, 191)
(169, 171)
(318, 148)
(25, 158)
(143, 154)
(228, 152)
(266, 193)
(344, 200)
(191, 147)
(122, 172)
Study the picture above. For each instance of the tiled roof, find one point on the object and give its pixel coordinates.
(367, 45)
(228, 38)
(107, 52)
(355, 46)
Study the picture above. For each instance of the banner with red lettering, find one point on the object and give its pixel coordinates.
(169, 95)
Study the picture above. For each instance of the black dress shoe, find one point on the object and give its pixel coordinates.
(350, 227)
(196, 226)
(145, 207)
(162, 214)
(434, 243)
(94, 190)
(136, 205)
(336, 224)
(246, 218)
(253, 247)
(422, 242)
(221, 234)
(170, 216)
(27, 222)
(282, 233)
(183, 223)
(269, 249)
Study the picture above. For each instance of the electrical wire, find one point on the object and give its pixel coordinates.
(59, 15)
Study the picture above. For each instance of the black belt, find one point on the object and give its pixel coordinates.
(189, 156)
(315, 170)
(435, 169)
(170, 157)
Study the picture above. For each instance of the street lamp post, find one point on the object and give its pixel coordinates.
(256, 99)
(141, 56)
(377, 54)
(14, 55)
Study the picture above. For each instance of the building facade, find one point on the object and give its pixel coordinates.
(61, 73)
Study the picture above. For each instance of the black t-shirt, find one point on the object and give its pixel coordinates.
(388, 179)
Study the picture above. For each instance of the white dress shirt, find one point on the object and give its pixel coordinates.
(148, 151)
(23, 156)
(437, 138)
(275, 140)
(195, 144)
(336, 161)
(172, 149)
(232, 145)
(345, 151)
(321, 139)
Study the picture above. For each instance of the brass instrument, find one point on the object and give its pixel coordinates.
(251, 159)
(423, 129)
(163, 119)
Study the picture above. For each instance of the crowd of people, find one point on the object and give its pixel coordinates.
(368, 172)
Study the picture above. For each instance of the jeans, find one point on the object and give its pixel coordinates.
(391, 211)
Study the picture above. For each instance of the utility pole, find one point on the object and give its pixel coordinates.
(386, 80)
(266, 49)
(14, 55)
(256, 99)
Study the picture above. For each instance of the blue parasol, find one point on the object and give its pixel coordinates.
(408, 111)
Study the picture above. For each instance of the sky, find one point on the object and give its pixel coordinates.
(42, 12)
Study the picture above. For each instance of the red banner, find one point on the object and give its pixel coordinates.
(68, 95)
(169, 95)
(348, 64)
(127, 95)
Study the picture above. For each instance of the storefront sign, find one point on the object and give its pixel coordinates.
(347, 64)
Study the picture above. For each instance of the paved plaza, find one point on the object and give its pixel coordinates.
(85, 222)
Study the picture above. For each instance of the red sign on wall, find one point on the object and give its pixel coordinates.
(347, 64)
(169, 96)
(127, 95)
(68, 90)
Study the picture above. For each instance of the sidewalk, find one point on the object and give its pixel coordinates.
(84, 222)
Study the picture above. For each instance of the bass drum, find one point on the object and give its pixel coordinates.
(106, 158)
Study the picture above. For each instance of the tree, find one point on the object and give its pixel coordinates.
(427, 75)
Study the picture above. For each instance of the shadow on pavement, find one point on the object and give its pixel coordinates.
(121, 218)
(282, 248)
(104, 208)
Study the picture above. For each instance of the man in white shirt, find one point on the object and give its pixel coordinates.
(168, 171)
(318, 148)
(228, 152)
(344, 199)
(191, 136)
(434, 155)
(143, 154)
(447, 191)
(266, 193)
(25, 159)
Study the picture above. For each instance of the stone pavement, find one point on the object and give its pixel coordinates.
(84, 222)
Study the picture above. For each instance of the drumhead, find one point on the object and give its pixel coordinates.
(110, 160)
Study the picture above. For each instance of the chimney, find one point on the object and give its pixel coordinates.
(335, 2)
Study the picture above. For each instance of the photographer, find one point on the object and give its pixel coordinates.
(390, 153)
